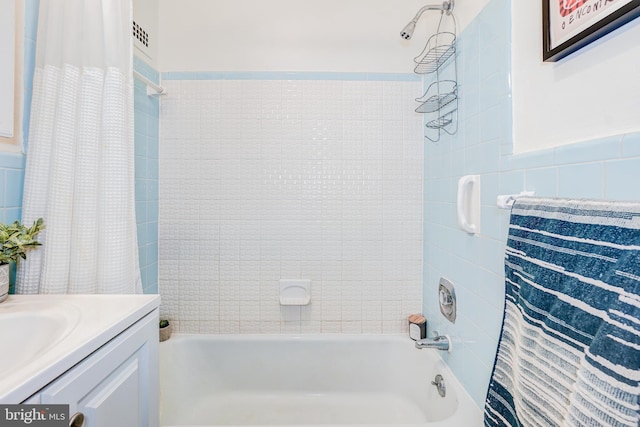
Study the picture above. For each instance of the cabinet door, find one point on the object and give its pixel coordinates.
(118, 384)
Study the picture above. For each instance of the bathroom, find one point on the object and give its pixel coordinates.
(287, 147)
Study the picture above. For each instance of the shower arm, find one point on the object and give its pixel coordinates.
(447, 6)
(407, 31)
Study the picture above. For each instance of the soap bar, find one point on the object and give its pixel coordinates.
(417, 327)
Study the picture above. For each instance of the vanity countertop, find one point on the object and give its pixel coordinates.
(43, 336)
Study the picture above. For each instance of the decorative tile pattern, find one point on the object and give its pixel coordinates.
(262, 180)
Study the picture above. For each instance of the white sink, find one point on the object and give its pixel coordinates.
(42, 336)
(29, 330)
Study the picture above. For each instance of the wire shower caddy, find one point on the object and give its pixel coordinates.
(440, 100)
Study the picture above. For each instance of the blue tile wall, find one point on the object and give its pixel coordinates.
(287, 75)
(147, 113)
(11, 182)
(606, 168)
(30, 35)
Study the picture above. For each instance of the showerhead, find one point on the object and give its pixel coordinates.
(446, 6)
(408, 30)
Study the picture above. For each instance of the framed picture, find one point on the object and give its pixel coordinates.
(568, 25)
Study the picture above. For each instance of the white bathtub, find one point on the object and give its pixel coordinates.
(310, 380)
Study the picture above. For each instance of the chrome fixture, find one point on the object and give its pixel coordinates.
(439, 383)
(447, 299)
(407, 31)
(440, 101)
(439, 342)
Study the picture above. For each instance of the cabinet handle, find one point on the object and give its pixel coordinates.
(77, 420)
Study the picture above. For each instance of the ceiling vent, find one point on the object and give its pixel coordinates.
(140, 35)
(145, 29)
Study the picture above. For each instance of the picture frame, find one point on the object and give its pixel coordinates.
(569, 25)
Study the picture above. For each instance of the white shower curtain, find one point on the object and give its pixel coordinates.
(80, 158)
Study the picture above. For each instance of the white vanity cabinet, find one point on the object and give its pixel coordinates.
(116, 385)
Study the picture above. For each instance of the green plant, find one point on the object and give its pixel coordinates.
(164, 323)
(16, 239)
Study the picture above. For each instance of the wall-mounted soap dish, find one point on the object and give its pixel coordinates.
(295, 292)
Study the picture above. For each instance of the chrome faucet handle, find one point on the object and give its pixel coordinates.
(440, 386)
(435, 334)
(445, 298)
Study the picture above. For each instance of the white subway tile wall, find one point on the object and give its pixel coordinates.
(262, 180)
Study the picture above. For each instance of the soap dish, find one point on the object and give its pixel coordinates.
(295, 291)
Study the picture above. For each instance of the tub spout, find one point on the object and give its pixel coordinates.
(439, 342)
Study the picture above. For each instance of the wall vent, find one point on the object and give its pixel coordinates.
(140, 34)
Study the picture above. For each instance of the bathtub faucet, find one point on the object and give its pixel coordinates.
(439, 342)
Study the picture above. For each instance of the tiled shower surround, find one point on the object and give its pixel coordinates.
(598, 169)
(279, 178)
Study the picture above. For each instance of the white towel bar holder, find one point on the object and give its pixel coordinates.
(152, 88)
(505, 201)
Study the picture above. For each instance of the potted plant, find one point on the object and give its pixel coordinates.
(165, 329)
(15, 240)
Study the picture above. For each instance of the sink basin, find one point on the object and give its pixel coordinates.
(43, 336)
(29, 331)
